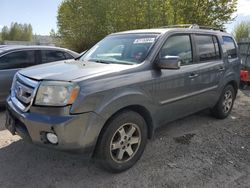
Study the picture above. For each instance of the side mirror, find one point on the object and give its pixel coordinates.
(169, 62)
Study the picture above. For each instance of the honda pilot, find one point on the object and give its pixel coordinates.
(110, 101)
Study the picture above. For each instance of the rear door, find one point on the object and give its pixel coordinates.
(233, 60)
(211, 68)
(10, 63)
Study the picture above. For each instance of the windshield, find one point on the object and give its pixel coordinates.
(121, 49)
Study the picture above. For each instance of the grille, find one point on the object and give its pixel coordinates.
(23, 92)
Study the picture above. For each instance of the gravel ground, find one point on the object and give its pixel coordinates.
(197, 151)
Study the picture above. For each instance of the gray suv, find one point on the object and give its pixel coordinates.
(15, 57)
(109, 102)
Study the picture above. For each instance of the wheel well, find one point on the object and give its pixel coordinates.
(235, 86)
(140, 110)
(145, 114)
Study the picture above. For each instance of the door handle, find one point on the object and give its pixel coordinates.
(221, 69)
(193, 75)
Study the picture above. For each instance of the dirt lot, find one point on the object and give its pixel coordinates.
(198, 151)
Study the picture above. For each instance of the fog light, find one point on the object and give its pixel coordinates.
(52, 138)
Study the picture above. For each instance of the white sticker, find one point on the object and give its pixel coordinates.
(144, 40)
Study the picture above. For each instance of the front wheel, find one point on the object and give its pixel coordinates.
(225, 103)
(122, 142)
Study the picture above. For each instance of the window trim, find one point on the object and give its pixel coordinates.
(197, 48)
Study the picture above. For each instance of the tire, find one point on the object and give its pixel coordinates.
(122, 142)
(225, 104)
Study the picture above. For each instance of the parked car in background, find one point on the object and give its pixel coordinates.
(13, 58)
(110, 101)
(244, 48)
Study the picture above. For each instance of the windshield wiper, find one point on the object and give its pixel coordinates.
(99, 61)
(124, 63)
(110, 62)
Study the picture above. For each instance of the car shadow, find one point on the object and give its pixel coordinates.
(246, 91)
(25, 164)
(2, 109)
(2, 118)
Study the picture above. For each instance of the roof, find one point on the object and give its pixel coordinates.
(16, 47)
(7, 48)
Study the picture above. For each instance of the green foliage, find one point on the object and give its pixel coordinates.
(82, 23)
(55, 37)
(17, 32)
(242, 30)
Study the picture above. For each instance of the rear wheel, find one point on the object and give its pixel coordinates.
(225, 103)
(122, 142)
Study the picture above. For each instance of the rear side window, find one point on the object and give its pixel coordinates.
(230, 46)
(68, 56)
(178, 45)
(52, 55)
(20, 59)
(208, 47)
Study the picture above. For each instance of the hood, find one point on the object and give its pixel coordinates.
(71, 70)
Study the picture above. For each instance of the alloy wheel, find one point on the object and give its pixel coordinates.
(227, 102)
(125, 142)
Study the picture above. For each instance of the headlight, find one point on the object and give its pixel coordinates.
(51, 93)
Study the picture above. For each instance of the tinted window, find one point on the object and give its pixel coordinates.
(18, 59)
(208, 47)
(52, 55)
(179, 45)
(68, 56)
(230, 46)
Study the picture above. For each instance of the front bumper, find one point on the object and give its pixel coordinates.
(78, 133)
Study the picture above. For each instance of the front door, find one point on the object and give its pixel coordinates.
(176, 89)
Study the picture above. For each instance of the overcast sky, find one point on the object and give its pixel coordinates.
(42, 14)
(242, 14)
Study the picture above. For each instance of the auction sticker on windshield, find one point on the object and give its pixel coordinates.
(144, 40)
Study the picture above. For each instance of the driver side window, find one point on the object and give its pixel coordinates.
(178, 45)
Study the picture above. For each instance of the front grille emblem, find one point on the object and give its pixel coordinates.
(19, 91)
(23, 92)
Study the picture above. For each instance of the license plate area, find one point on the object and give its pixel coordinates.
(10, 123)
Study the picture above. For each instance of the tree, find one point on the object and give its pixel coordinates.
(55, 37)
(81, 23)
(18, 32)
(241, 30)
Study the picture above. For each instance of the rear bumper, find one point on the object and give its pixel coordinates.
(77, 133)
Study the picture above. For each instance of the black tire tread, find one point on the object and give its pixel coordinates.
(102, 151)
(217, 111)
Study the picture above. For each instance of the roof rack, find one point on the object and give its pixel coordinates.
(194, 26)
